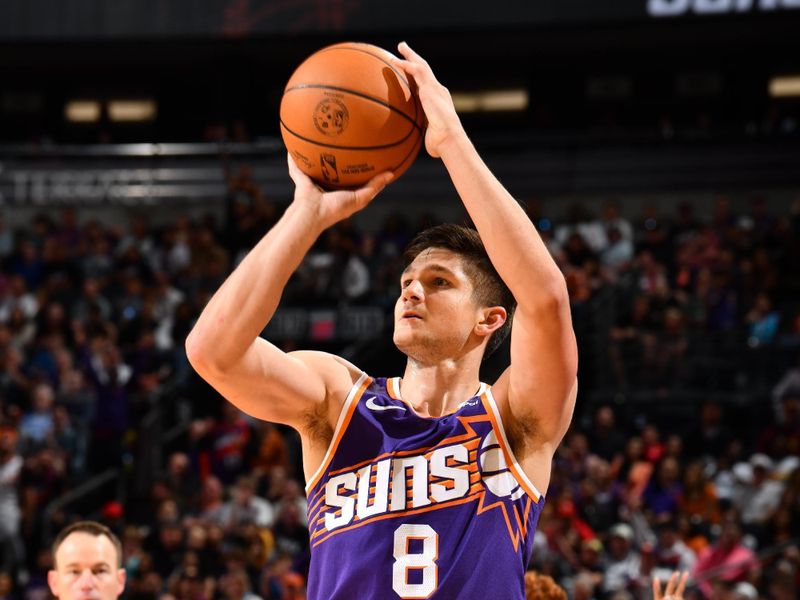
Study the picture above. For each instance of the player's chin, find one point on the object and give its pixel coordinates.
(404, 339)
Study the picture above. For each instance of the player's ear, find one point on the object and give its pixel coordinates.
(52, 582)
(492, 319)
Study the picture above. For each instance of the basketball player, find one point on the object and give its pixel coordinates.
(87, 563)
(427, 485)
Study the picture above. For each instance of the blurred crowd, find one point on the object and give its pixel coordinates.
(93, 317)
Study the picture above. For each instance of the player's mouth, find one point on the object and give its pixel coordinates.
(410, 314)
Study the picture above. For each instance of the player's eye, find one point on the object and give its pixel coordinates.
(439, 281)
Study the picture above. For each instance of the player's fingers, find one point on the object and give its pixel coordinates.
(656, 589)
(371, 189)
(414, 64)
(682, 584)
(300, 179)
(350, 201)
(411, 69)
(410, 54)
(294, 170)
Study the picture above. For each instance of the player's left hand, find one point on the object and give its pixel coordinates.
(443, 122)
(674, 588)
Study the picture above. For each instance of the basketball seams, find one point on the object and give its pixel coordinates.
(320, 86)
(411, 153)
(345, 46)
(363, 88)
(400, 75)
(336, 147)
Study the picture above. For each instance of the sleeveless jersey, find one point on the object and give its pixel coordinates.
(405, 506)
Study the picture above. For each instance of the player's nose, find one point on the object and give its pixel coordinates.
(413, 292)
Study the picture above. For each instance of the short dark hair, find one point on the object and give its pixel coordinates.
(92, 528)
(488, 288)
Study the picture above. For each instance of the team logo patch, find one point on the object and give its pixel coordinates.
(331, 117)
(495, 474)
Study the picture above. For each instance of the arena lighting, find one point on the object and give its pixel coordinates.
(785, 86)
(491, 101)
(82, 111)
(132, 110)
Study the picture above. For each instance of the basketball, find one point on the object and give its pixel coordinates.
(347, 114)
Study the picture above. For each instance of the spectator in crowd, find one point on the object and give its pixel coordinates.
(245, 507)
(605, 439)
(10, 514)
(782, 438)
(37, 425)
(727, 560)
(759, 500)
(93, 319)
(698, 497)
(623, 561)
(661, 496)
(672, 554)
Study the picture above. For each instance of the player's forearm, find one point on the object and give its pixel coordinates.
(244, 304)
(514, 246)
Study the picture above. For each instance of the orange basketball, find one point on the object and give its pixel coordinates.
(347, 114)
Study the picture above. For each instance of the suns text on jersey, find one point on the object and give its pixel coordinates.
(400, 483)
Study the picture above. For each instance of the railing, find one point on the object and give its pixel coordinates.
(75, 496)
(156, 430)
(133, 174)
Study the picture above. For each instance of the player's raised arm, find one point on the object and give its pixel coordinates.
(224, 346)
(541, 381)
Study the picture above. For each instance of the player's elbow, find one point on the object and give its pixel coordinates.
(195, 351)
(549, 300)
(201, 354)
(555, 292)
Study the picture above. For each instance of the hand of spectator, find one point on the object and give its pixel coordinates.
(674, 588)
(332, 207)
(443, 122)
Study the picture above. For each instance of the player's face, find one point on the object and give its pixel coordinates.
(435, 313)
(86, 569)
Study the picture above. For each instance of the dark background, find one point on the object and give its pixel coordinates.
(227, 62)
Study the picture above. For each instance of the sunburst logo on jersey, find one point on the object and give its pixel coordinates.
(495, 474)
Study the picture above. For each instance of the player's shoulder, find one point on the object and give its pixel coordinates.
(332, 368)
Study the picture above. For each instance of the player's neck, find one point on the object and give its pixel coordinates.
(437, 389)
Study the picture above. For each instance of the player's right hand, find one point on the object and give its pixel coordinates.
(332, 207)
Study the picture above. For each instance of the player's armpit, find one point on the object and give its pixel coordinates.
(544, 361)
(531, 439)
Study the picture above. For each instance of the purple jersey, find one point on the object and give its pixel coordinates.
(405, 506)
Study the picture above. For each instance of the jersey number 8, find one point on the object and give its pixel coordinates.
(424, 561)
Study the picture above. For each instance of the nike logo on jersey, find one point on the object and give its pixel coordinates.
(468, 403)
(372, 406)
